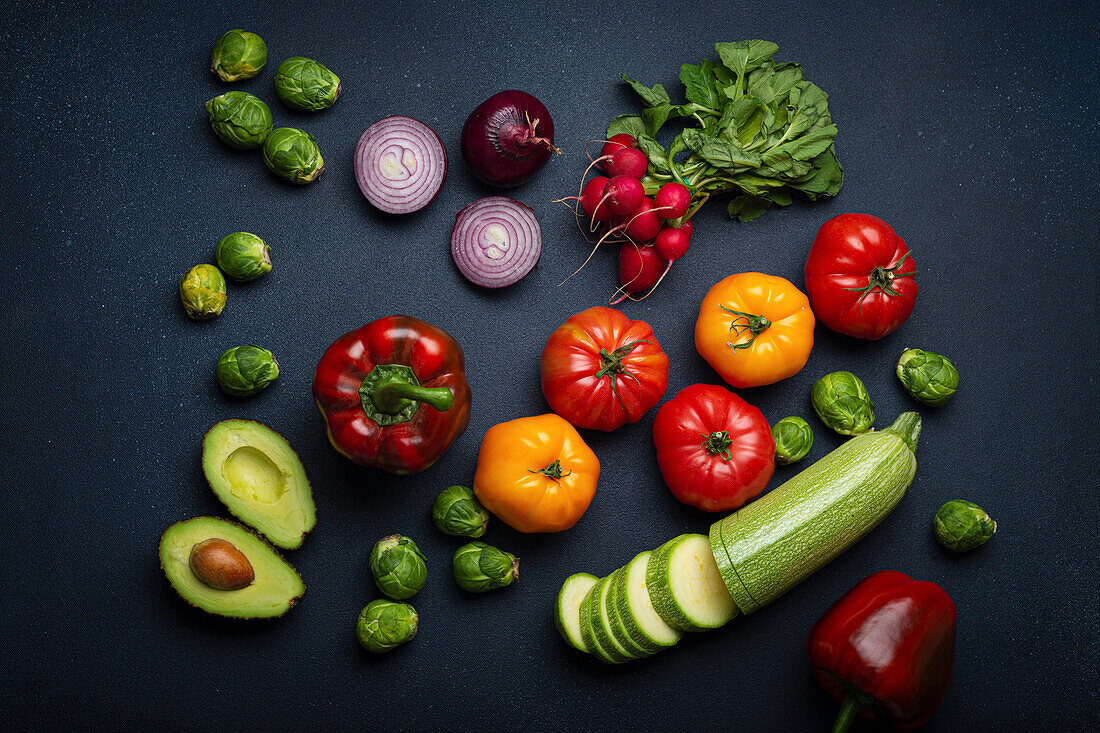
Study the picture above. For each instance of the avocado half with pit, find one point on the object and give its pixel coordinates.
(252, 580)
(260, 478)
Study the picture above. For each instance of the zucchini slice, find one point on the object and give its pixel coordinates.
(601, 622)
(618, 629)
(686, 587)
(636, 607)
(589, 619)
(567, 611)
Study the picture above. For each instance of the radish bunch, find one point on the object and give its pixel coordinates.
(652, 232)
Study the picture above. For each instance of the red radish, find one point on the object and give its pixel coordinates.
(614, 144)
(640, 267)
(627, 162)
(673, 200)
(643, 225)
(508, 138)
(687, 228)
(590, 199)
(671, 243)
(623, 195)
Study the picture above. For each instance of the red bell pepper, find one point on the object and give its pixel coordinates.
(886, 650)
(393, 394)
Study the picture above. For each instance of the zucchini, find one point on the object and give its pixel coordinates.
(778, 540)
(618, 629)
(640, 620)
(601, 622)
(686, 586)
(589, 617)
(567, 611)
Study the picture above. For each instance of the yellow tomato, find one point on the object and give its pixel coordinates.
(755, 329)
(536, 473)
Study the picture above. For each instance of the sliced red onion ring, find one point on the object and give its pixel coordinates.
(400, 164)
(496, 241)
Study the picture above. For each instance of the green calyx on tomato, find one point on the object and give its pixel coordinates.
(611, 364)
(391, 394)
(553, 471)
(882, 279)
(754, 324)
(718, 444)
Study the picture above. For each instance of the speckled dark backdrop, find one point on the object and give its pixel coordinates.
(970, 127)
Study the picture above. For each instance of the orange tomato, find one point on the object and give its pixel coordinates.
(755, 329)
(536, 473)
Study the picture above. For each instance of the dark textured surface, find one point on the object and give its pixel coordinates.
(971, 128)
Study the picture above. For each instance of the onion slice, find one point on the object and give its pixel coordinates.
(400, 164)
(496, 241)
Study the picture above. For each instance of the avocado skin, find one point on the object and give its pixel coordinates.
(235, 504)
(291, 602)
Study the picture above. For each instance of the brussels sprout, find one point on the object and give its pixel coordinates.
(242, 256)
(243, 371)
(962, 525)
(306, 85)
(479, 567)
(241, 120)
(843, 403)
(929, 378)
(398, 566)
(793, 440)
(457, 512)
(384, 625)
(202, 291)
(293, 154)
(238, 55)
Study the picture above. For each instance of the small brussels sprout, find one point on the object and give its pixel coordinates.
(398, 566)
(243, 371)
(929, 378)
(962, 525)
(457, 512)
(240, 119)
(793, 440)
(293, 154)
(479, 567)
(202, 291)
(242, 256)
(384, 625)
(306, 85)
(843, 403)
(238, 55)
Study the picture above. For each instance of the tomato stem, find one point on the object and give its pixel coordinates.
(553, 471)
(611, 365)
(718, 444)
(754, 324)
(882, 279)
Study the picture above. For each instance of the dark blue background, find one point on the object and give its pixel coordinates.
(971, 128)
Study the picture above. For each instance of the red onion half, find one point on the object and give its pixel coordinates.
(508, 138)
(496, 241)
(400, 164)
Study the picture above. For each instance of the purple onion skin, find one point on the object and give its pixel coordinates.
(508, 138)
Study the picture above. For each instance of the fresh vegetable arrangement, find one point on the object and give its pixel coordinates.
(886, 650)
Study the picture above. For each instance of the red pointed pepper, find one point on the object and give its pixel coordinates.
(393, 394)
(886, 650)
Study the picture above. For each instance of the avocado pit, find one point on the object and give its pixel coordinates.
(220, 565)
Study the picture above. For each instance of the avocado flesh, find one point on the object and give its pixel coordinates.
(275, 590)
(259, 477)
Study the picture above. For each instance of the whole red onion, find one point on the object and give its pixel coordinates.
(508, 138)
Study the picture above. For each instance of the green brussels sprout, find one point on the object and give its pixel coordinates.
(243, 371)
(202, 291)
(306, 85)
(929, 378)
(843, 403)
(962, 525)
(240, 119)
(479, 567)
(384, 625)
(293, 154)
(793, 440)
(457, 512)
(238, 55)
(398, 567)
(242, 256)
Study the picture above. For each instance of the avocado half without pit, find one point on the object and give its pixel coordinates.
(224, 569)
(259, 477)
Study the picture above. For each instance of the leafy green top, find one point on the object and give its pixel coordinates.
(763, 131)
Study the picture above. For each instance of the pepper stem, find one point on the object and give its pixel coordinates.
(848, 711)
(391, 394)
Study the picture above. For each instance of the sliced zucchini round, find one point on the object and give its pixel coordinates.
(567, 610)
(641, 621)
(686, 587)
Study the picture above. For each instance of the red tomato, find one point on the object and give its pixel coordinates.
(600, 369)
(715, 450)
(860, 276)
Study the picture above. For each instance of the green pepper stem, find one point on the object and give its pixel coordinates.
(393, 394)
(848, 711)
(906, 427)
